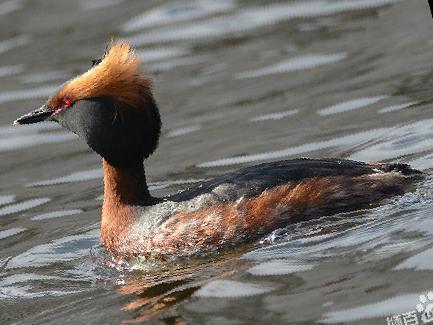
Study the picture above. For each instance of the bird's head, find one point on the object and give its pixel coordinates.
(111, 106)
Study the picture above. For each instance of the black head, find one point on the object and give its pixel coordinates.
(110, 106)
(119, 134)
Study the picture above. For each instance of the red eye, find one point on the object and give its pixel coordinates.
(67, 102)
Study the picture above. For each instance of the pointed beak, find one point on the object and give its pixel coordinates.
(38, 115)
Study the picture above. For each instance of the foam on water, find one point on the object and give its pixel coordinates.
(350, 105)
(23, 206)
(303, 62)
(274, 116)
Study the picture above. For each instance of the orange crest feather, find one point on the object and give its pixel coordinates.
(117, 75)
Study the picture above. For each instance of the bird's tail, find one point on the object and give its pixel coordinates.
(404, 169)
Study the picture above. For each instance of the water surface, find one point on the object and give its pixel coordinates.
(238, 82)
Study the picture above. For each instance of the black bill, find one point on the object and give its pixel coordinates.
(38, 115)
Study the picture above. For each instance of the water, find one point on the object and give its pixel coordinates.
(238, 82)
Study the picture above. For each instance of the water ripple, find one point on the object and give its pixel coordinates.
(423, 163)
(303, 62)
(343, 141)
(59, 250)
(280, 267)
(6, 199)
(252, 18)
(12, 130)
(43, 77)
(25, 94)
(22, 206)
(274, 116)
(11, 232)
(394, 142)
(391, 306)
(56, 214)
(11, 70)
(230, 289)
(13, 287)
(397, 107)
(6, 7)
(421, 261)
(27, 141)
(74, 177)
(98, 4)
(168, 65)
(399, 141)
(12, 43)
(182, 131)
(350, 105)
(161, 53)
(177, 12)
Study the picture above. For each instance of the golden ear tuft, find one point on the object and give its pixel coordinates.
(117, 75)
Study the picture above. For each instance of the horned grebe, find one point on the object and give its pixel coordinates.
(112, 107)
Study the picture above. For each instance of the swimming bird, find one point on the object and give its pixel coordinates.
(112, 107)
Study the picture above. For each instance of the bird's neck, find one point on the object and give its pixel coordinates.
(126, 185)
(125, 188)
